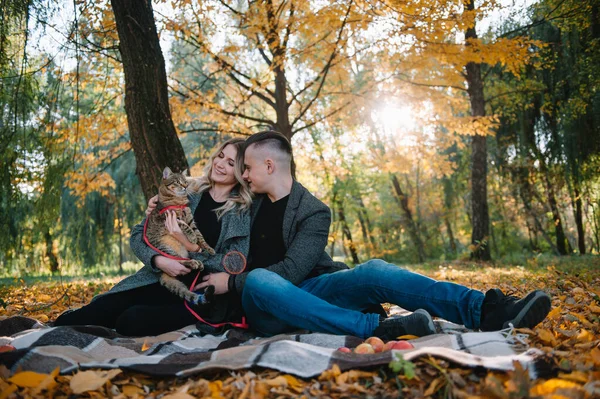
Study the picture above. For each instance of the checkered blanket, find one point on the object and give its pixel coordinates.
(186, 352)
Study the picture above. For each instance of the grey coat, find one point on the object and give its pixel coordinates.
(305, 231)
(235, 235)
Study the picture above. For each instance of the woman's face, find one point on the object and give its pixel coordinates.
(224, 165)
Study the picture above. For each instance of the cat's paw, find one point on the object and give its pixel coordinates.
(194, 265)
(209, 250)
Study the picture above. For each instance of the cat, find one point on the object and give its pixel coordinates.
(172, 192)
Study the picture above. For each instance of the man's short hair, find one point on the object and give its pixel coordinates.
(276, 141)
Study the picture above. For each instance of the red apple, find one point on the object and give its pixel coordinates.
(376, 343)
(388, 346)
(364, 348)
(344, 349)
(6, 348)
(402, 345)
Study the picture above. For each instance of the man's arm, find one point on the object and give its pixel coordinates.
(304, 252)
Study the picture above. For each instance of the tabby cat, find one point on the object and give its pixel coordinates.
(172, 192)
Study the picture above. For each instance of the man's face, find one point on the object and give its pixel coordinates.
(256, 170)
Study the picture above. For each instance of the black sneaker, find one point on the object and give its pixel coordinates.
(498, 310)
(419, 323)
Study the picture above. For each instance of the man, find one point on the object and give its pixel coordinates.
(293, 283)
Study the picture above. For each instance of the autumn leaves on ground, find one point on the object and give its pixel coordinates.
(570, 337)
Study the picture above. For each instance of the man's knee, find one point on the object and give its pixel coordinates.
(263, 284)
(371, 266)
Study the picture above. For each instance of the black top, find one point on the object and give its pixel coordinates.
(206, 219)
(266, 238)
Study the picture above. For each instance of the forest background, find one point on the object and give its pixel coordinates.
(435, 130)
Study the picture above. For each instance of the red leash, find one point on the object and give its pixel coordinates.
(152, 246)
(243, 324)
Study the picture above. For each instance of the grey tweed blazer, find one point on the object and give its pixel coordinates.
(305, 230)
(235, 235)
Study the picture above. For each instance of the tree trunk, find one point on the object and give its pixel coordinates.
(409, 223)
(153, 136)
(525, 192)
(347, 234)
(579, 217)
(50, 253)
(479, 205)
(561, 240)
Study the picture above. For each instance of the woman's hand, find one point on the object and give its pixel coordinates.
(172, 226)
(218, 280)
(151, 205)
(170, 266)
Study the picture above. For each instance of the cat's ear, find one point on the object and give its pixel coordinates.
(166, 172)
(186, 172)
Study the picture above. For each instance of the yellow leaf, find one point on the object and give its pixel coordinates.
(91, 380)
(180, 395)
(585, 336)
(594, 308)
(48, 382)
(546, 336)
(576, 376)
(131, 390)
(333, 372)
(435, 385)
(294, 383)
(146, 346)
(27, 379)
(215, 389)
(42, 318)
(596, 356)
(407, 337)
(278, 381)
(548, 387)
(554, 313)
(4, 394)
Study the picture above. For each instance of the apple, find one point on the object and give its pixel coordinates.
(388, 346)
(364, 348)
(344, 349)
(402, 345)
(376, 343)
(6, 348)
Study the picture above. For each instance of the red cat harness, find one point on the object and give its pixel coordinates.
(243, 324)
(167, 208)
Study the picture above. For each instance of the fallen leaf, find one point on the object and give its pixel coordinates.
(550, 386)
(92, 380)
(12, 388)
(585, 336)
(595, 353)
(546, 336)
(435, 386)
(48, 383)
(407, 337)
(27, 379)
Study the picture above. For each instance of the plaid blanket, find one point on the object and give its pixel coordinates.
(187, 352)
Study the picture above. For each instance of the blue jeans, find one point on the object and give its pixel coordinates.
(333, 303)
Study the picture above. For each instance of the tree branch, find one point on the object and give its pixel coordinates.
(326, 68)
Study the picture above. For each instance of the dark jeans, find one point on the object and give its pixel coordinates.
(147, 310)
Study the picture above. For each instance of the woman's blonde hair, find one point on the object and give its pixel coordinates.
(240, 196)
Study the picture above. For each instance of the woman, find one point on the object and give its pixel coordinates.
(139, 305)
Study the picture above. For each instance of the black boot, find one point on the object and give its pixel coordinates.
(419, 323)
(498, 310)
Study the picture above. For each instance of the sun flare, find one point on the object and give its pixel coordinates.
(395, 118)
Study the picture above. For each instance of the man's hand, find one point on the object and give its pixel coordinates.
(170, 266)
(218, 280)
(151, 205)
